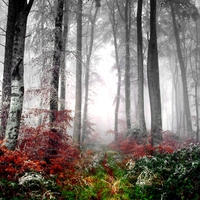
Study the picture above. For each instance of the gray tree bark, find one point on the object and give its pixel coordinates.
(6, 84)
(63, 60)
(87, 76)
(127, 66)
(78, 101)
(142, 123)
(17, 84)
(153, 79)
(56, 62)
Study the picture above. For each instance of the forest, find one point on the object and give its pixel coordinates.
(99, 99)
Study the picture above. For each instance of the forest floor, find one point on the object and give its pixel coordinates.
(103, 172)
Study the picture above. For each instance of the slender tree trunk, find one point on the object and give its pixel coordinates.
(114, 25)
(87, 77)
(196, 84)
(6, 84)
(127, 67)
(183, 73)
(78, 101)
(63, 60)
(56, 62)
(142, 123)
(17, 75)
(118, 85)
(153, 79)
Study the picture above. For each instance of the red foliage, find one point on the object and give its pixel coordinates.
(51, 146)
(136, 149)
(16, 163)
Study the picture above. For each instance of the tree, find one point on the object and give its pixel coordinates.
(153, 79)
(64, 36)
(56, 61)
(87, 72)
(78, 101)
(17, 84)
(6, 85)
(114, 24)
(127, 65)
(183, 71)
(142, 123)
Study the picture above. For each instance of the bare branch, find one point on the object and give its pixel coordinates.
(28, 36)
(2, 35)
(3, 30)
(2, 62)
(120, 11)
(2, 45)
(5, 3)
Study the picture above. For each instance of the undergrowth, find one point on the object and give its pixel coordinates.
(46, 165)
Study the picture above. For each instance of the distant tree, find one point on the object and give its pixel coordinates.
(78, 97)
(56, 61)
(141, 116)
(183, 73)
(113, 20)
(92, 21)
(153, 78)
(17, 85)
(183, 9)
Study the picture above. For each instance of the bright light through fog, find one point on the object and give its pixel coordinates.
(103, 109)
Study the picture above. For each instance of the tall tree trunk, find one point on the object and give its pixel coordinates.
(142, 123)
(87, 76)
(196, 84)
(6, 84)
(183, 73)
(114, 25)
(118, 84)
(56, 61)
(127, 66)
(78, 101)
(17, 75)
(63, 60)
(41, 106)
(153, 79)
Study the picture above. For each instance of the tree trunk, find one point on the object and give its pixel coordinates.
(56, 62)
(114, 25)
(17, 84)
(118, 84)
(6, 84)
(153, 79)
(63, 60)
(183, 73)
(78, 101)
(196, 84)
(127, 67)
(87, 76)
(142, 123)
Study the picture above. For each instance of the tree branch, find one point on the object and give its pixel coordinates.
(3, 30)
(5, 3)
(2, 45)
